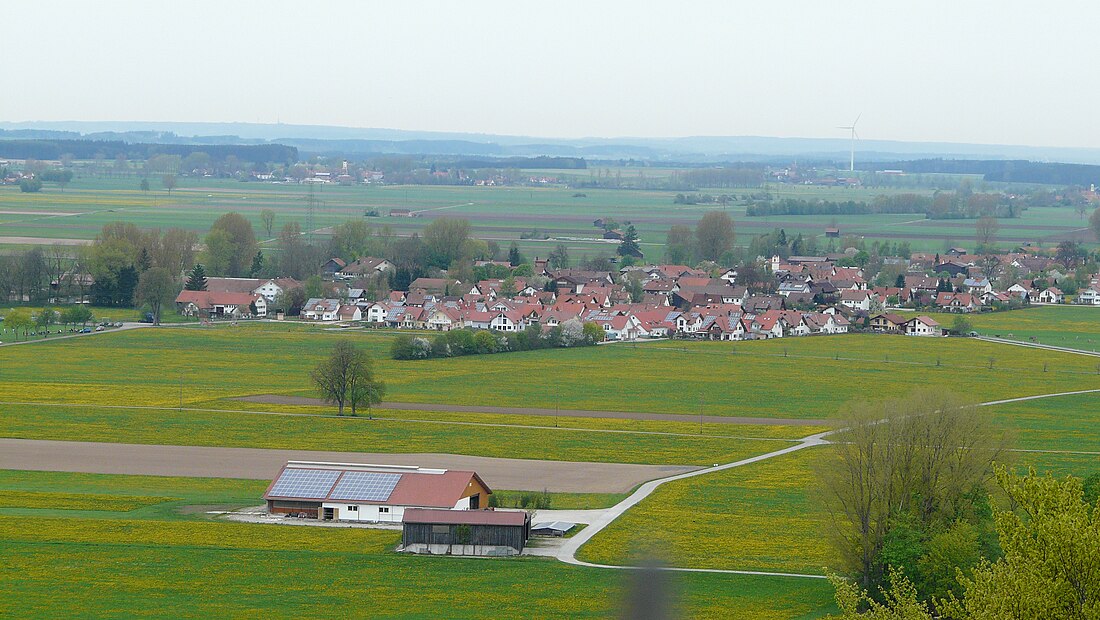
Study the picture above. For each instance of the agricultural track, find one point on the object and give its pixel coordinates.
(567, 552)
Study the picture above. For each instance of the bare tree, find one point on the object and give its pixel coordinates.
(346, 378)
(267, 216)
(986, 231)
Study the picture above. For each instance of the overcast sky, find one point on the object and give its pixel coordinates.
(960, 71)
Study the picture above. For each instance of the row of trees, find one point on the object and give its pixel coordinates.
(460, 342)
(21, 321)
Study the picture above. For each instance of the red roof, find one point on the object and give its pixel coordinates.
(465, 517)
(209, 299)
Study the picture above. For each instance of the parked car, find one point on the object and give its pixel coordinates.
(99, 328)
(86, 330)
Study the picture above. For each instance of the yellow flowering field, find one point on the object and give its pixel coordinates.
(757, 517)
(76, 501)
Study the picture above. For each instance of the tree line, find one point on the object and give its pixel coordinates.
(469, 341)
(93, 149)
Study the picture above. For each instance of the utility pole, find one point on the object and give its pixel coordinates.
(311, 203)
(700, 413)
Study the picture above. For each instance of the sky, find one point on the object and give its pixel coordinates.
(1001, 72)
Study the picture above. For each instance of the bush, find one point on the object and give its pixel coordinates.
(30, 185)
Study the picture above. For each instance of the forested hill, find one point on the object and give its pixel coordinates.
(1011, 171)
(109, 149)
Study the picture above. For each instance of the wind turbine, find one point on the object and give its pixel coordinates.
(855, 136)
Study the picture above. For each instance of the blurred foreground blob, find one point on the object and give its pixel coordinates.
(649, 593)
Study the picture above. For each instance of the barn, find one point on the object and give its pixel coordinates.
(470, 532)
(370, 493)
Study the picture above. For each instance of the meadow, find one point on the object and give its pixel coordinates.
(808, 378)
(183, 564)
(767, 516)
(1075, 327)
(502, 214)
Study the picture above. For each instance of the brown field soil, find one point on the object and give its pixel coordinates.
(261, 464)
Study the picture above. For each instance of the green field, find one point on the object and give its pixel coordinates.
(498, 213)
(173, 563)
(115, 543)
(792, 378)
(1076, 327)
(765, 516)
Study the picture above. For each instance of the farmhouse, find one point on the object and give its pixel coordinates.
(470, 532)
(316, 309)
(370, 493)
(221, 304)
(922, 326)
(269, 288)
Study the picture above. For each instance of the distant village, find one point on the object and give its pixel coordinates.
(802, 296)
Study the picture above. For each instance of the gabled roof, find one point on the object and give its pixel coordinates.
(209, 299)
(371, 484)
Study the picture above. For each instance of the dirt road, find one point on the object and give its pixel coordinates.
(262, 464)
(276, 399)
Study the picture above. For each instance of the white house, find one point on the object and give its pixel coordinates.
(375, 313)
(317, 309)
(1052, 295)
(922, 326)
(1089, 297)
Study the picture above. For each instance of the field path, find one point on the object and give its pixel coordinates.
(1036, 345)
(568, 551)
(276, 399)
(263, 464)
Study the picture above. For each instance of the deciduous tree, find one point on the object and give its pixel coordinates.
(346, 378)
(714, 234)
(155, 287)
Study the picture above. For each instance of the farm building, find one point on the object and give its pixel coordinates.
(471, 532)
(371, 493)
(552, 528)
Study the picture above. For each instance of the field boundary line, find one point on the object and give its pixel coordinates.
(352, 419)
(1037, 345)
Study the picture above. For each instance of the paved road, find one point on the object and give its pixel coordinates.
(1037, 345)
(36, 339)
(276, 399)
(262, 464)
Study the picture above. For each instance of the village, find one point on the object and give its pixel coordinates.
(801, 296)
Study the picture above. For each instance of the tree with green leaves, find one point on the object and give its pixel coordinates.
(679, 245)
(144, 185)
(714, 235)
(1094, 223)
(515, 259)
(346, 378)
(257, 264)
(230, 245)
(19, 321)
(169, 181)
(155, 288)
(78, 314)
(196, 280)
(923, 460)
(559, 257)
(629, 245)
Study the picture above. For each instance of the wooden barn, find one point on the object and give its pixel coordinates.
(370, 493)
(469, 532)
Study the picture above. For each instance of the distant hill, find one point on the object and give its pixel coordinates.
(352, 141)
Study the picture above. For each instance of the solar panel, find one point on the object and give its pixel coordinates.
(304, 483)
(365, 486)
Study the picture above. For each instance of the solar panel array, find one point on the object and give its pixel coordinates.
(365, 486)
(304, 483)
